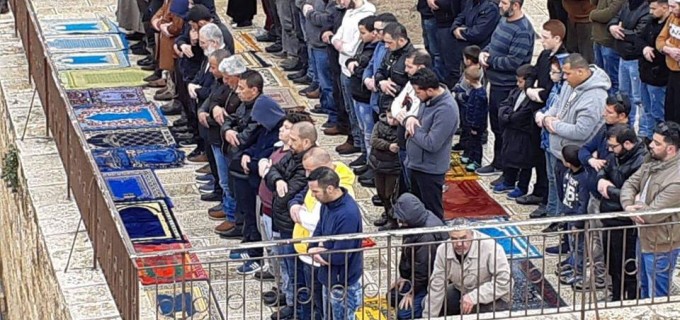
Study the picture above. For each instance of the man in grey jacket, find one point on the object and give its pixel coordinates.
(429, 138)
(577, 114)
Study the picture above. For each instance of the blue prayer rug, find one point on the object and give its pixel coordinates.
(99, 25)
(134, 185)
(85, 43)
(97, 60)
(106, 97)
(149, 222)
(510, 238)
(146, 115)
(143, 157)
(130, 138)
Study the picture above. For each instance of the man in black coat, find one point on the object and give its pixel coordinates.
(473, 25)
(627, 156)
(391, 76)
(416, 261)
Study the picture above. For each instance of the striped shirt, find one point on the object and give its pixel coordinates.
(511, 46)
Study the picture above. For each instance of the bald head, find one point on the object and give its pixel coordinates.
(302, 136)
(316, 158)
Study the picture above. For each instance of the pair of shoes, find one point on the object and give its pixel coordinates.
(502, 188)
(211, 197)
(515, 193)
(361, 170)
(488, 170)
(224, 227)
(204, 170)
(266, 37)
(249, 267)
(529, 199)
(358, 162)
(560, 249)
(264, 276)
(347, 148)
(376, 201)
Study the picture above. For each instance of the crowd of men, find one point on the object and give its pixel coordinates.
(569, 121)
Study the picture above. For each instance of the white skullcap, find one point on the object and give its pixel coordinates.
(232, 66)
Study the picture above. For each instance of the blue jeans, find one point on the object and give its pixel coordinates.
(312, 308)
(653, 99)
(405, 177)
(349, 107)
(343, 304)
(429, 27)
(228, 202)
(449, 68)
(552, 206)
(364, 112)
(287, 264)
(576, 243)
(629, 84)
(656, 272)
(416, 311)
(607, 59)
(322, 69)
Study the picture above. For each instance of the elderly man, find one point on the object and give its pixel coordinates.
(471, 274)
(655, 186)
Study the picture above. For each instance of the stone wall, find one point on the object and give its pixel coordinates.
(31, 288)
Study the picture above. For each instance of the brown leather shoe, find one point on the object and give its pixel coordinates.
(224, 227)
(314, 94)
(160, 83)
(335, 131)
(204, 169)
(217, 215)
(198, 158)
(344, 148)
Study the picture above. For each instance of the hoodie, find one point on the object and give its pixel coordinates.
(309, 217)
(267, 112)
(417, 261)
(349, 34)
(579, 111)
(179, 7)
(268, 117)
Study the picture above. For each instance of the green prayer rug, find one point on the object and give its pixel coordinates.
(109, 78)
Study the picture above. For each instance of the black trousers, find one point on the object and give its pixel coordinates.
(556, 11)
(672, 109)
(619, 246)
(519, 176)
(272, 24)
(472, 144)
(385, 186)
(343, 117)
(496, 96)
(213, 165)
(541, 184)
(245, 194)
(577, 43)
(452, 305)
(147, 14)
(241, 10)
(428, 188)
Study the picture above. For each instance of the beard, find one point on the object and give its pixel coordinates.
(207, 52)
(657, 156)
(508, 13)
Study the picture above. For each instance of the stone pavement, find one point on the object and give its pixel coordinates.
(85, 292)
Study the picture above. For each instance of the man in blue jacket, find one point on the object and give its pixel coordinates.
(429, 138)
(473, 26)
(340, 272)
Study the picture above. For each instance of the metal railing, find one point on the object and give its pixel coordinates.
(534, 286)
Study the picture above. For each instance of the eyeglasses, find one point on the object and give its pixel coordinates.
(612, 146)
(555, 72)
(378, 30)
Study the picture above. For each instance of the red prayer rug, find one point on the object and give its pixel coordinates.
(467, 199)
(170, 268)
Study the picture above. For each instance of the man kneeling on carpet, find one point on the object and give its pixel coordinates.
(471, 274)
(417, 256)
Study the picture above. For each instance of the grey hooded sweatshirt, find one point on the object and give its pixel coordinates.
(579, 111)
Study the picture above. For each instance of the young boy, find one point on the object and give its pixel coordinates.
(474, 109)
(521, 142)
(385, 162)
(470, 59)
(575, 202)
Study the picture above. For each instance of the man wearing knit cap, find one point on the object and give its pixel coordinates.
(668, 43)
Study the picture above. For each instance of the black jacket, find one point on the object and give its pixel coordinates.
(424, 9)
(382, 160)
(393, 67)
(447, 12)
(363, 57)
(290, 170)
(521, 136)
(634, 19)
(542, 67)
(240, 121)
(480, 17)
(617, 171)
(220, 95)
(654, 73)
(417, 261)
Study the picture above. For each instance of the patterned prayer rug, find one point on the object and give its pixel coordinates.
(283, 96)
(171, 268)
(467, 199)
(101, 60)
(185, 300)
(134, 185)
(143, 157)
(130, 138)
(510, 238)
(244, 41)
(85, 43)
(457, 171)
(107, 78)
(530, 290)
(106, 97)
(273, 77)
(149, 222)
(99, 25)
(146, 115)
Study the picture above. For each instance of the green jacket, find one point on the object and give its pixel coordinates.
(605, 11)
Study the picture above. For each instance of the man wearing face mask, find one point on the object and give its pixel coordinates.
(469, 252)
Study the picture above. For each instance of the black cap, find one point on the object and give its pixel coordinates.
(199, 12)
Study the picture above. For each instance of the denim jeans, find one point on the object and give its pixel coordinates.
(652, 113)
(364, 112)
(656, 272)
(312, 308)
(449, 68)
(607, 59)
(228, 202)
(287, 266)
(629, 84)
(405, 177)
(416, 311)
(552, 206)
(320, 60)
(349, 106)
(576, 244)
(343, 304)
(429, 27)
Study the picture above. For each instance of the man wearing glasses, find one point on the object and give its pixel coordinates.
(656, 186)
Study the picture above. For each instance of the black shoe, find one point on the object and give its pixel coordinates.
(267, 37)
(284, 313)
(377, 201)
(361, 170)
(182, 129)
(291, 65)
(308, 89)
(553, 227)
(381, 221)
(180, 122)
(4, 9)
(328, 125)
(274, 47)
(488, 170)
(195, 152)
(135, 36)
(211, 197)
(233, 233)
(279, 54)
(184, 136)
(186, 143)
(498, 181)
(367, 179)
(560, 249)
(303, 80)
(139, 51)
(350, 151)
(390, 225)
(148, 61)
(151, 67)
(154, 77)
(273, 297)
(172, 109)
(457, 147)
(538, 213)
(216, 208)
(264, 276)
(359, 162)
(298, 74)
(244, 24)
(529, 199)
(320, 111)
